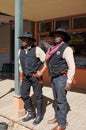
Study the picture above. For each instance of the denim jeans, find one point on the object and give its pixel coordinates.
(59, 93)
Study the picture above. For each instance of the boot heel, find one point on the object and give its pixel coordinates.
(28, 117)
(37, 120)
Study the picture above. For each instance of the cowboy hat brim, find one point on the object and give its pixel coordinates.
(65, 34)
(34, 40)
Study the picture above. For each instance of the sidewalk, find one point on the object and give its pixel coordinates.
(76, 116)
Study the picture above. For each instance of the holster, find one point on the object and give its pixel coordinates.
(64, 73)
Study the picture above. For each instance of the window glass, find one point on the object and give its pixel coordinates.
(62, 24)
(45, 27)
(45, 42)
(79, 22)
(78, 43)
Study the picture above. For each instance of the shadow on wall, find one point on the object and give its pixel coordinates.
(79, 86)
(46, 79)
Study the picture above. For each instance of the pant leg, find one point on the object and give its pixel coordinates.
(25, 94)
(60, 99)
(37, 89)
(55, 97)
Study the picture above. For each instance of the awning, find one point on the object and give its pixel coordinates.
(36, 10)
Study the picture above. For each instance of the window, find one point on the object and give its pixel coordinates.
(45, 26)
(45, 42)
(63, 23)
(79, 22)
(78, 43)
(71, 23)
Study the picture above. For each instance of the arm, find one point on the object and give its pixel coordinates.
(68, 56)
(41, 55)
(20, 69)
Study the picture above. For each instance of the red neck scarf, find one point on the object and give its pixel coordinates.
(52, 50)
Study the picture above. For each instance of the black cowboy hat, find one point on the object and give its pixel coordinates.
(27, 35)
(61, 31)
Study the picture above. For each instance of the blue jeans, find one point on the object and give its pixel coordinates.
(59, 93)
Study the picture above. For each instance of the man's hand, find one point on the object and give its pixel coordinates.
(68, 86)
(37, 74)
(20, 82)
(21, 75)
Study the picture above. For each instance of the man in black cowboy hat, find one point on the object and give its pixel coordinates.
(61, 68)
(31, 66)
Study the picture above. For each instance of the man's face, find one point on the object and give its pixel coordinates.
(58, 39)
(26, 42)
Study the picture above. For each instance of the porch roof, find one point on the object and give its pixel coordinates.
(36, 10)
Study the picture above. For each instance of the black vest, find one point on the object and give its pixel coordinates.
(57, 64)
(29, 61)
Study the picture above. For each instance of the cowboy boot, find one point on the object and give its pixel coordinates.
(31, 113)
(39, 116)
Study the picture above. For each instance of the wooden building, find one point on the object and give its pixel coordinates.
(41, 17)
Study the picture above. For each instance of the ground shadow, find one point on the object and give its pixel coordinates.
(47, 101)
(11, 90)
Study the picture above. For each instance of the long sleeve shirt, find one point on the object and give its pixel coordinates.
(68, 56)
